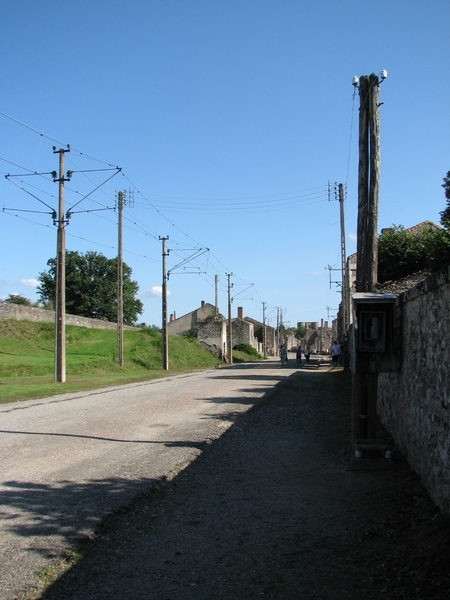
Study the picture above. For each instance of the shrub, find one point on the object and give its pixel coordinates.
(247, 349)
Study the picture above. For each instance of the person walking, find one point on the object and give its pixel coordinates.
(298, 355)
(307, 355)
(335, 350)
(282, 355)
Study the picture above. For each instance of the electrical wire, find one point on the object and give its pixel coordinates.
(203, 205)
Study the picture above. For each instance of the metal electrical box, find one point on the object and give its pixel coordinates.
(374, 332)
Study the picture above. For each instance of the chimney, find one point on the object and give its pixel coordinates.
(240, 312)
(203, 303)
(171, 318)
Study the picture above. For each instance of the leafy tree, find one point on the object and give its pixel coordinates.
(247, 349)
(445, 214)
(18, 299)
(402, 253)
(300, 332)
(91, 287)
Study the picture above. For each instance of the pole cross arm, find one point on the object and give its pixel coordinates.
(196, 254)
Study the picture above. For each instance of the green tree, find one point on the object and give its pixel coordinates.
(300, 332)
(402, 253)
(91, 287)
(18, 299)
(445, 214)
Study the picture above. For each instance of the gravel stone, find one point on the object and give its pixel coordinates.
(276, 507)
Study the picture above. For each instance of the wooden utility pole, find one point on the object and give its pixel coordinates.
(216, 286)
(165, 335)
(264, 330)
(368, 185)
(345, 288)
(60, 289)
(120, 202)
(230, 333)
(365, 384)
(278, 329)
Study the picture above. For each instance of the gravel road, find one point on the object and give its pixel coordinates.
(68, 460)
(208, 499)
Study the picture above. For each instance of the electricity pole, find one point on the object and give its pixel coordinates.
(264, 330)
(120, 203)
(365, 384)
(216, 282)
(278, 328)
(230, 334)
(368, 184)
(60, 289)
(165, 336)
(345, 289)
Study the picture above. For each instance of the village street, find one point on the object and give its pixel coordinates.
(175, 489)
(68, 460)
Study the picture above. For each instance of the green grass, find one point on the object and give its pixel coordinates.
(27, 358)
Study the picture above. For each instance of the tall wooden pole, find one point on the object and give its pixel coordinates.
(368, 185)
(119, 282)
(230, 332)
(365, 384)
(60, 288)
(264, 330)
(345, 289)
(216, 286)
(165, 336)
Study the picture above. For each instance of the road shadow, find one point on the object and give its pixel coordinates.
(66, 510)
(267, 509)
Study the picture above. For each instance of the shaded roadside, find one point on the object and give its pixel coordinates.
(271, 509)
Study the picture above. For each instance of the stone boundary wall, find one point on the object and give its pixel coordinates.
(414, 403)
(242, 332)
(213, 337)
(187, 322)
(27, 313)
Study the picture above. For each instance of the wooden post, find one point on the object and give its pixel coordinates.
(230, 331)
(165, 333)
(365, 383)
(120, 203)
(60, 289)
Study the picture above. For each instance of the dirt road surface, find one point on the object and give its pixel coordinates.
(176, 490)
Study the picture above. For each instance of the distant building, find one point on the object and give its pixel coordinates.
(212, 332)
(317, 338)
(190, 320)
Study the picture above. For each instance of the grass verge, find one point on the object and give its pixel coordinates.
(27, 359)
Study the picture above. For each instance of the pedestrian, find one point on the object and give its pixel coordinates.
(341, 356)
(282, 355)
(307, 354)
(335, 350)
(298, 355)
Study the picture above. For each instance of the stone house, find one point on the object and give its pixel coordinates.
(266, 336)
(190, 320)
(318, 338)
(212, 334)
(213, 337)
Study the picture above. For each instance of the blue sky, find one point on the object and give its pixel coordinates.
(228, 119)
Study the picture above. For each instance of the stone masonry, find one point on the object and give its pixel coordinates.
(414, 403)
(27, 313)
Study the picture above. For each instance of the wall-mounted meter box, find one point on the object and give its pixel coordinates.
(374, 332)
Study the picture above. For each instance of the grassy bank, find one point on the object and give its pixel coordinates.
(27, 358)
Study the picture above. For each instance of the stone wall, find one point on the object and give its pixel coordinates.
(26, 313)
(264, 333)
(242, 332)
(213, 337)
(414, 403)
(187, 322)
